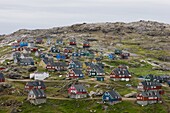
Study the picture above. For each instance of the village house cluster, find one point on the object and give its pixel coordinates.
(67, 57)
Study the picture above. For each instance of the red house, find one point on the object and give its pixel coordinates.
(120, 74)
(77, 91)
(35, 85)
(2, 78)
(148, 97)
(125, 55)
(150, 86)
(86, 44)
(34, 49)
(72, 41)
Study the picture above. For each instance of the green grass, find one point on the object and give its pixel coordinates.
(84, 106)
(136, 67)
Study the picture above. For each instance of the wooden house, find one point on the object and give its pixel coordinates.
(152, 86)
(2, 78)
(77, 91)
(112, 56)
(75, 64)
(60, 66)
(23, 44)
(59, 41)
(118, 52)
(125, 55)
(35, 85)
(76, 54)
(48, 63)
(39, 40)
(75, 73)
(86, 44)
(100, 78)
(120, 74)
(68, 50)
(36, 96)
(154, 78)
(111, 97)
(54, 49)
(72, 42)
(61, 56)
(26, 61)
(16, 55)
(95, 70)
(148, 97)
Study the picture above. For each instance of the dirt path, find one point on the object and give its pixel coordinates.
(100, 98)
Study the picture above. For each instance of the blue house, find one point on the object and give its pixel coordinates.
(22, 44)
(76, 54)
(111, 56)
(111, 97)
(60, 56)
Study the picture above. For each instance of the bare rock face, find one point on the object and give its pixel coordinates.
(164, 58)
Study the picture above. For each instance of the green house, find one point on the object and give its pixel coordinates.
(118, 51)
(100, 78)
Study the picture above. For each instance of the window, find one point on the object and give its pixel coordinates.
(107, 98)
(71, 74)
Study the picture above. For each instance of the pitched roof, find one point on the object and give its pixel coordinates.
(77, 71)
(62, 64)
(80, 88)
(97, 68)
(48, 61)
(86, 42)
(77, 62)
(72, 40)
(120, 71)
(114, 94)
(149, 84)
(150, 94)
(88, 63)
(39, 93)
(36, 83)
(26, 60)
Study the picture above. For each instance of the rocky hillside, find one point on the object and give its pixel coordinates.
(151, 38)
(149, 28)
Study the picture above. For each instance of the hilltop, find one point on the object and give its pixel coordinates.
(147, 35)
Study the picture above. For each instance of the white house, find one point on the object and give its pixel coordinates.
(39, 76)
